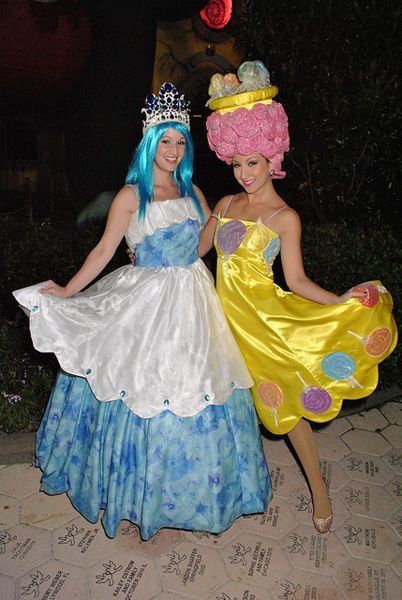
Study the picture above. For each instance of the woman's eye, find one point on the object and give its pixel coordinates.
(182, 142)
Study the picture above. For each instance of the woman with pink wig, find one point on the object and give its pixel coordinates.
(306, 349)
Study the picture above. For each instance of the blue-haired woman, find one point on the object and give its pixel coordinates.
(151, 418)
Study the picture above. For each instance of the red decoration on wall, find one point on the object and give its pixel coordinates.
(217, 13)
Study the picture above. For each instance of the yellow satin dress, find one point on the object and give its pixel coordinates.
(304, 357)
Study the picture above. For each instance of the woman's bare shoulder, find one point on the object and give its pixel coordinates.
(287, 219)
(128, 198)
(222, 204)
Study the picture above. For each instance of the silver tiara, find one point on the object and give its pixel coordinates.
(168, 106)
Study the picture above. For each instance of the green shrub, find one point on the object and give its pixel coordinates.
(26, 378)
(336, 66)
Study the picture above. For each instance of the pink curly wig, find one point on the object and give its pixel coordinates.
(262, 129)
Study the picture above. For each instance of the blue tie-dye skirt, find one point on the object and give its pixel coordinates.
(196, 473)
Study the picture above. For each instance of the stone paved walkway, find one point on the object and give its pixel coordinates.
(49, 552)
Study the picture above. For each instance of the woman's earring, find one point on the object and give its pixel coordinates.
(271, 172)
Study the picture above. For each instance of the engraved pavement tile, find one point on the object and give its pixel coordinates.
(301, 504)
(331, 447)
(191, 569)
(124, 575)
(370, 539)
(303, 509)
(301, 585)
(395, 489)
(309, 550)
(22, 548)
(128, 538)
(7, 587)
(171, 596)
(362, 580)
(397, 566)
(393, 434)
(393, 412)
(340, 510)
(54, 580)
(9, 511)
(49, 512)
(368, 500)
(372, 469)
(334, 473)
(241, 591)
(256, 560)
(284, 479)
(394, 459)
(20, 481)
(213, 540)
(396, 523)
(368, 442)
(275, 522)
(81, 543)
(369, 420)
(277, 451)
(336, 426)
(276, 555)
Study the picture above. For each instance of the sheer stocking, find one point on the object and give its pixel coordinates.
(302, 439)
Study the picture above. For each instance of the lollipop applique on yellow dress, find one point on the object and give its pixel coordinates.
(304, 357)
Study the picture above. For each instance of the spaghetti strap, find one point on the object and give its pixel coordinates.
(273, 214)
(227, 205)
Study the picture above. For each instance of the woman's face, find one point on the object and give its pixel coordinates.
(252, 172)
(170, 150)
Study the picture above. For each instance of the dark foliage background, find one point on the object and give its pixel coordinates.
(336, 65)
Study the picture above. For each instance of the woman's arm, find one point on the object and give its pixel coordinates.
(289, 229)
(123, 205)
(208, 233)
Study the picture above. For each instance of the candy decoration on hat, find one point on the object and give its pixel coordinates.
(222, 85)
(339, 366)
(314, 398)
(252, 76)
(167, 106)
(377, 342)
(272, 396)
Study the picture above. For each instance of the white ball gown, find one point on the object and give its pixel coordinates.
(150, 418)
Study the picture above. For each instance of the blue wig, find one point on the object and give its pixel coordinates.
(140, 171)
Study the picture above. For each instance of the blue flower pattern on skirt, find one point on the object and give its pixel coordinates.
(196, 473)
